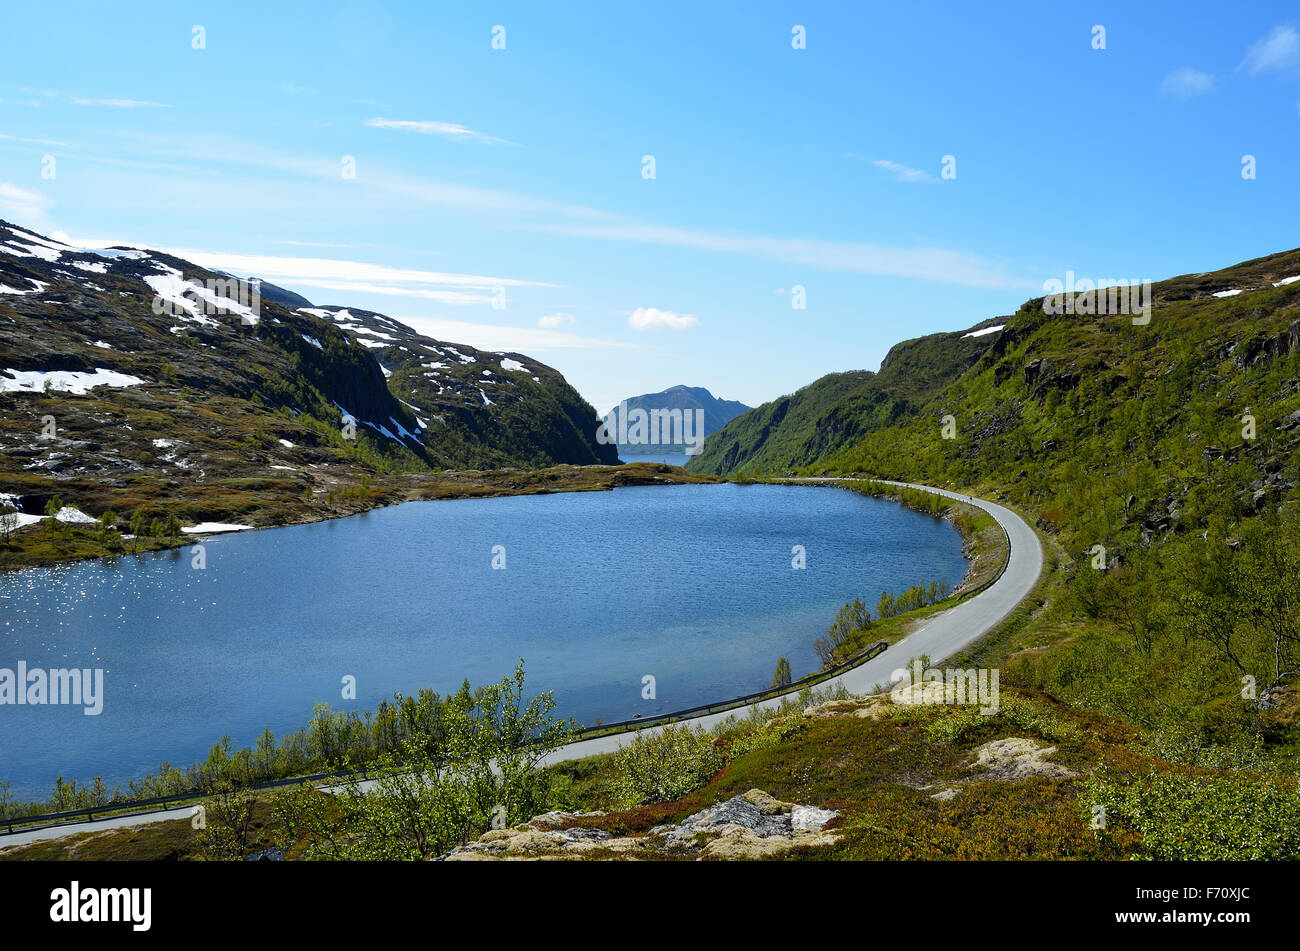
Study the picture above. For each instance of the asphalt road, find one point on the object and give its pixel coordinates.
(943, 635)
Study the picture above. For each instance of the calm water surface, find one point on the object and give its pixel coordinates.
(692, 584)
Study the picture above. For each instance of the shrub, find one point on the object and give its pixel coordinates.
(664, 765)
(851, 619)
(1207, 817)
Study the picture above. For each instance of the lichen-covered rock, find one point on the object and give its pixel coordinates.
(751, 826)
(866, 707)
(551, 820)
(1017, 758)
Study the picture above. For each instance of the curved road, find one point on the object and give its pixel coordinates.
(943, 635)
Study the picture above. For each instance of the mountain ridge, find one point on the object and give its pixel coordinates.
(131, 379)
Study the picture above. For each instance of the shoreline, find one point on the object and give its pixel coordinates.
(37, 546)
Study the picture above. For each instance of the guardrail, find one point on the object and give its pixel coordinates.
(140, 807)
(721, 706)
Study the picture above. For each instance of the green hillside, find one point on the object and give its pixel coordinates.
(1162, 459)
(840, 408)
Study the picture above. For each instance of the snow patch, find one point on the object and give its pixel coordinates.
(983, 332)
(213, 528)
(40, 286)
(65, 381)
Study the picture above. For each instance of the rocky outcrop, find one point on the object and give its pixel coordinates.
(755, 825)
(1016, 758)
(1258, 350)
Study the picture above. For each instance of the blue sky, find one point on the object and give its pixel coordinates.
(521, 168)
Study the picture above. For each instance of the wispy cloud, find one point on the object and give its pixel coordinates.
(1279, 52)
(652, 318)
(332, 274)
(927, 264)
(225, 150)
(496, 338)
(119, 103)
(553, 321)
(115, 103)
(357, 276)
(387, 290)
(582, 221)
(23, 206)
(904, 173)
(1185, 82)
(450, 130)
(50, 142)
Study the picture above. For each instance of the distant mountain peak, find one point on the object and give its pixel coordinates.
(709, 414)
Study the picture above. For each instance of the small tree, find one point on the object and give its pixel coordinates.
(8, 522)
(782, 677)
(885, 606)
(52, 508)
(851, 619)
(228, 817)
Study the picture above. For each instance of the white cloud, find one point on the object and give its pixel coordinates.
(913, 176)
(23, 206)
(652, 318)
(504, 339)
(552, 321)
(451, 130)
(1279, 52)
(1185, 82)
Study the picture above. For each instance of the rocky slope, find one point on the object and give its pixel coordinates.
(1125, 432)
